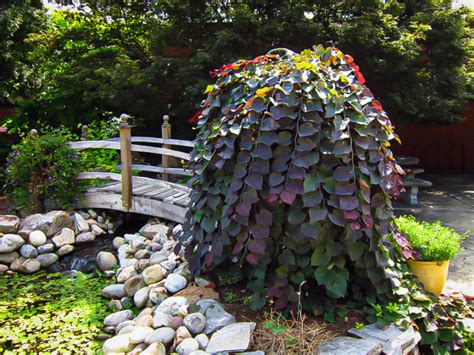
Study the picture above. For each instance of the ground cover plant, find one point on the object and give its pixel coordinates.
(51, 313)
(292, 190)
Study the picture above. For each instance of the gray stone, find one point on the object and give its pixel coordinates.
(26, 266)
(50, 223)
(161, 319)
(80, 224)
(100, 219)
(155, 349)
(176, 322)
(131, 237)
(177, 231)
(128, 262)
(114, 305)
(92, 213)
(175, 283)
(127, 302)
(8, 258)
(125, 273)
(158, 295)
(203, 341)
(139, 334)
(138, 349)
(10, 242)
(183, 270)
(347, 345)
(113, 291)
(150, 230)
(142, 254)
(28, 251)
(3, 268)
(119, 344)
(145, 320)
(46, 248)
(156, 247)
(137, 244)
(141, 297)
(116, 318)
(97, 230)
(173, 306)
(232, 338)
(195, 322)
(133, 284)
(65, 249)
(118, 242)
(125, 324)
(187, 346)
(169, 265)
(152, 274)
(216, 316)
(47, 259)
(9, 224)
(106, 260)
(142, 264)
(163, 335)
(160, 238)
(159, 257)
(37, 238)
(181, 334)
(85, 237)
(65, 237)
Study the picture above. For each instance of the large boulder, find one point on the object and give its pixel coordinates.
(10, 242)
(9, 224)
(50, 223)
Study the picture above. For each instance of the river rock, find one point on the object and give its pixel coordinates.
(155, 349)
(163, 335)
(8, 258)
(97, 230)
(169, 265)
(176, 322)
(161, 319)
(28, 251)
(37, 238)
(119, 344)
(47, 259)
(9, 224)
(114, 305)
(143, 254)
(85, 237)
(138, 349)
(173, 306)
(131, 237)
(182, 333)
(159, 257)
(195, 322)
(133, 284)
(152, 274)
(139, 334)
(80, 224)
(145, 320)
(141, 297)
(106, 260)
(26, 266)
(202, 340)
(149, 231)
(65, 237)
(142, 264)
(50, 223)
(3, 269)
(232, 338)
(118, 242)
(113, 291)
(65, 249)
(126, 273)
(125, 324)
(158, 295)
(92, 213)
(216, 316)
(187, 346)
(10, 242)
(124, 262)
(175, 283)
(156, 247)
(138, 244)
(46, 248)
(118, 317)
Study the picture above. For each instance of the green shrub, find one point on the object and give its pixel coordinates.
(433, 241)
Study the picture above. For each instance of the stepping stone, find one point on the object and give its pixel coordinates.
(232, 338)
(348, 345)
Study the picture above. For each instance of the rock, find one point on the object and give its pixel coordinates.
(138, 349)
(161, 319)
(9, 224)
(127, 262)
(156, 247)
(26, 266)
(169, 265)
(133, 284)
(176, 322)
(126, 302)
(50, 223)
(47, 259)
(46, 248)
(97, 230)
(173, 306)
(113, 305)
(65, 237)
(3, 269)
(194, 294)
(118, 317)
(113, 291)
(202, 340)
(183, 270)
(232, 338)
(85, 237)
(160, 238)
(195, 322)
(130, 324)
(346, 345)
(175, 283)
(152, 274)
(118, 242)
(216, 316)
(80, 224)
(182, 333)
(131, 237)
(187, 346)
(169, 245)
(159, 257)
(163, 335)
(137, 244)
(92, 213)
(126, 273)
(84, 215)
(149, 231)
(125, 329)
(141, 265)
(142, 254)
(28, 251)
(8, 258)
(139, 334)
(158, 295)
(37, 238)
(177, 231)
(141, 297)
(10, 242)
(145, 320)
(65, 249)
(155, 349)
(202, 352)
(106, 260)
(117, 345)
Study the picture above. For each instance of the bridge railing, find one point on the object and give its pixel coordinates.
(126, 144)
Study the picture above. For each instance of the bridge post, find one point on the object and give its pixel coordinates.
(166, 134)
(126, 158)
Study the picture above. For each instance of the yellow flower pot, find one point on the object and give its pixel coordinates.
(432, 274)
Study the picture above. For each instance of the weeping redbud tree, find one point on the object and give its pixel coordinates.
(292, 185)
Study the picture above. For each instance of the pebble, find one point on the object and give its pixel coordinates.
(176, 322)
(158, 295)
(139, 334)
(37, 238)
(126, 273)
(161, 320)
(8, 258)
(173, 306)
(106, 260)
(175, 283)
(113, 291)
(141, 297)
(118, 344)
(203, 341)
(118, 317)
(153, 274)
(85, 237)
(133, 284)
(182, 333)
(156, 247)
(195, 322)
(118, 242)
(47, 259)
(169, 265)
(10, 242)
(163, 335)
(65, 249)
(155, 349)
(187, 346)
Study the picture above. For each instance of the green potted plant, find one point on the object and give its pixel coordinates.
(435, 245)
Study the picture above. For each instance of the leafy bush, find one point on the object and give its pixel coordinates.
(51, 313)
(433, 241)
(41, 171)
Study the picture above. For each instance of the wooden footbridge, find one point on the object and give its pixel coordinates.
(153, 196)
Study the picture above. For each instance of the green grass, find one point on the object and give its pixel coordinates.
(44, 313)
(434, 241)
